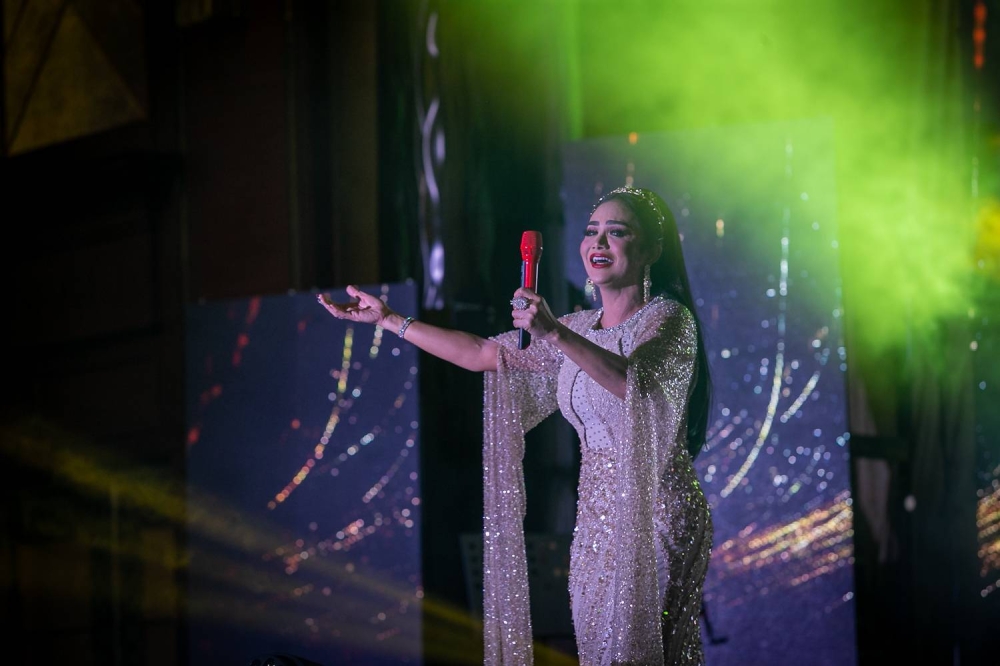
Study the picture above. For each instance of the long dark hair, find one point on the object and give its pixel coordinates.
(669, 278)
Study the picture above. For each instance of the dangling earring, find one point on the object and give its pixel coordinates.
(647, 285)
(590, 289)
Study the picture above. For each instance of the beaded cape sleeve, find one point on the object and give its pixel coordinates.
(658, 380)
(516, 398)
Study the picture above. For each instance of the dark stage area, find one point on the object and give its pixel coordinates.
(203, 466)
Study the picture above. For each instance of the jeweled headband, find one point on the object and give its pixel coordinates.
(644, 195)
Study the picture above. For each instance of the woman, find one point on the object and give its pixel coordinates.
(632, 378)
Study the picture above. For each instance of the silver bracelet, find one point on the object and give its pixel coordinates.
(404, 326)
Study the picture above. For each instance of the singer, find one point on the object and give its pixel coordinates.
(632, 378)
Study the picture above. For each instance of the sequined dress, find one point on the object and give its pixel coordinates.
(643, 530)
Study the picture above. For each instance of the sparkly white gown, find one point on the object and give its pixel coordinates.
(643, 533)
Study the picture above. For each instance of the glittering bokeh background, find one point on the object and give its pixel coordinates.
(765, 276)
(304, 496)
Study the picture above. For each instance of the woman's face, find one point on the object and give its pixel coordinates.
(611, 248)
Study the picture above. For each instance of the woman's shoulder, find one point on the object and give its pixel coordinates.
(665, 317)
(666, 307)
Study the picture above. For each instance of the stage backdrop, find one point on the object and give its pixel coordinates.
(303, 491)
(761, 249)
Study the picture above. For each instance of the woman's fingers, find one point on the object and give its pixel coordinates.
(367, 309)
(527, 296)
(339, 310)
(365, 300)
(325, 301)
(527, 293)
(362, 296)
(524, 318)
(536, 316)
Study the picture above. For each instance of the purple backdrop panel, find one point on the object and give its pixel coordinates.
(303, 488)
(761, 249)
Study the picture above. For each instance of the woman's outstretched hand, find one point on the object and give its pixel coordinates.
(536, 318)
(367, 310)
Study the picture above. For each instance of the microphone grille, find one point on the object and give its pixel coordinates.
(531, 245)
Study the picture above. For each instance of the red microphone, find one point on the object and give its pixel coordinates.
(531, 253)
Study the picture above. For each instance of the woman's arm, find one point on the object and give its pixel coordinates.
(605, 367)
(463, 349)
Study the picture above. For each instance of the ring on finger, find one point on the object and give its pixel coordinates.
(519, 303)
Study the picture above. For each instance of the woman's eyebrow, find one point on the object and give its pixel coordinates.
(620, 223)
